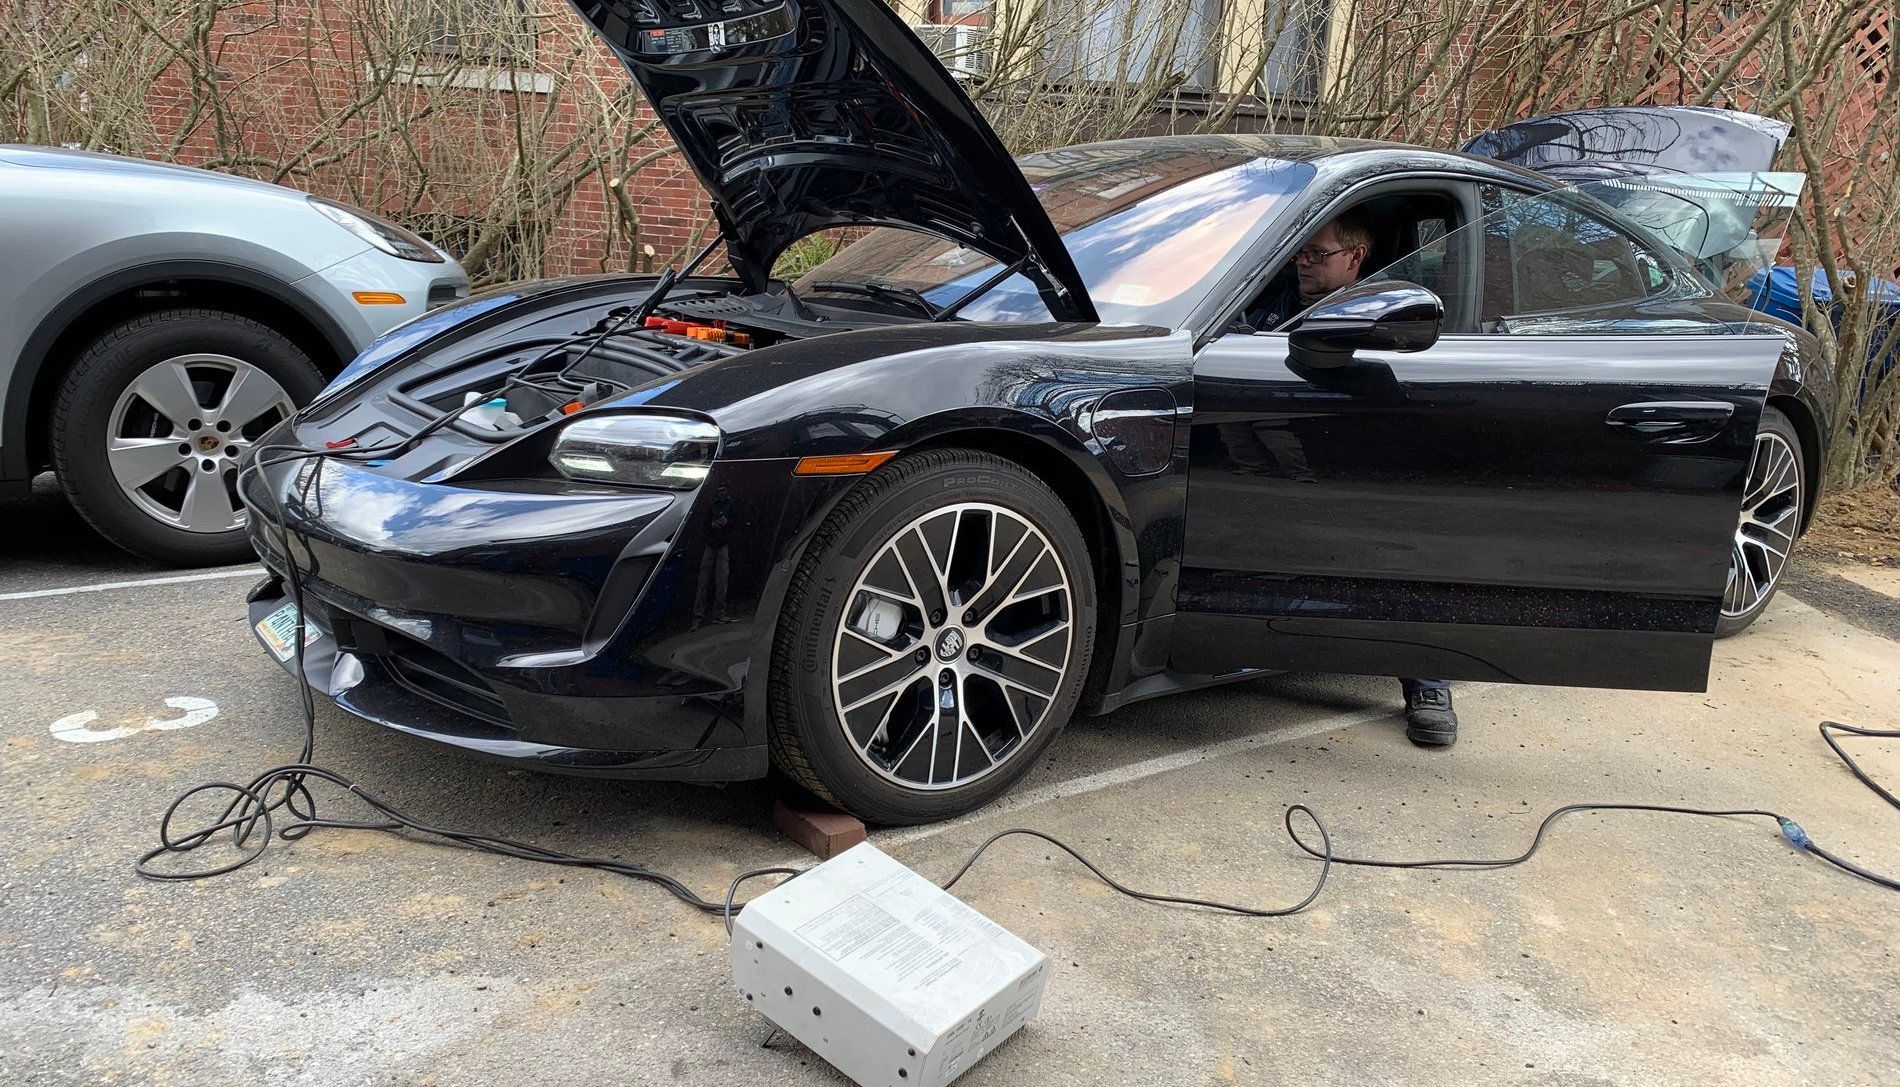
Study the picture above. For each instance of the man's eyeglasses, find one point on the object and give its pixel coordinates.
(1315, 256)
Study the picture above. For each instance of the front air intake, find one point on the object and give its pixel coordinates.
(424, 672)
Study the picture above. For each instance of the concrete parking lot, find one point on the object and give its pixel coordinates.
(1637, 949)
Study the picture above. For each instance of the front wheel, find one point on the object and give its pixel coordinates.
(934, 639)
(1771, 519)
(152, 422)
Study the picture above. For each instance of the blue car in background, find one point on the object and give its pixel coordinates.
(1777, 292)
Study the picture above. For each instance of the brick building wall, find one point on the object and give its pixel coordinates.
(290, 74)
(287, 70)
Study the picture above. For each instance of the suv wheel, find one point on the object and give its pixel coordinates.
(150, 425)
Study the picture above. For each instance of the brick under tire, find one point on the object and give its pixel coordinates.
(226, 379)
(959, 582)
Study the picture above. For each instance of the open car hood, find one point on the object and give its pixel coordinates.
(1588, 144)
(799, 115)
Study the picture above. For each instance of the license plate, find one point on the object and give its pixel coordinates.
(279, 632)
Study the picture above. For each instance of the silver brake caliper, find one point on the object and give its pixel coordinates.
(879, 620)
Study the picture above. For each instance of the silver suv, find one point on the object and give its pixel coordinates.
(156, 319)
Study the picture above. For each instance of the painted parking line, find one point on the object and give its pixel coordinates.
(1134, 771)
(102, 586)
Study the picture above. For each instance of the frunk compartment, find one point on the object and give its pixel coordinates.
(504, 391)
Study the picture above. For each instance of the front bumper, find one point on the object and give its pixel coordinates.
(422, 286)
(391, 683)
(556, 629)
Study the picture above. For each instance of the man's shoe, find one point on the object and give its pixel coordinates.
(1429, 719)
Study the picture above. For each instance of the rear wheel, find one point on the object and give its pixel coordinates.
(1771, 519)
(934, 640)
(149, 426)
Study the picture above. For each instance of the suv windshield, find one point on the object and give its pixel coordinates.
(1146, 226)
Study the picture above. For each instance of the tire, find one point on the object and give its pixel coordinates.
(113, 423)
(1773, 499)
(983, 515)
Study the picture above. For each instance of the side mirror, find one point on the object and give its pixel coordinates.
(1384, 315)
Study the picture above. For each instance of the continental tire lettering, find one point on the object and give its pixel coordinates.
(808, 660)
(952, 482)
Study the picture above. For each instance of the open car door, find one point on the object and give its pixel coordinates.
(1547, 497)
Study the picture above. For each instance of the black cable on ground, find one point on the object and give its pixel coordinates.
(249, 812)
(1319, 884)
(1790, 829)
(250, 809)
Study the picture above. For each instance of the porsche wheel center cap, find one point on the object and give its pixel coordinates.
(950, 644)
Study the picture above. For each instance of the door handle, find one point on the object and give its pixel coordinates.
(1673, 422)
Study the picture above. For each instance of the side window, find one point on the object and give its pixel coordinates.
(1395, 235)
(1441, 263)
(1548, 255)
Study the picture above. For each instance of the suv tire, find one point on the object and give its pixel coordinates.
(151, 422)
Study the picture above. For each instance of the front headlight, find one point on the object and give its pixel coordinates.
(387, 237)
(647, 450)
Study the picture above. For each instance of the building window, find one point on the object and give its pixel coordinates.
(1149, 41)
(1133, 41)
(965, 12)
(1297, 29)
(491, 33)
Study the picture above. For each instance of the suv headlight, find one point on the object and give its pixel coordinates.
(387, 237)
(646, 450)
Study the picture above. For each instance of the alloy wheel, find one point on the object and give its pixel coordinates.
(1764, 537)
(178, 432)
(952, 647)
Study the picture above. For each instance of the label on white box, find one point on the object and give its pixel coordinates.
(892, 937)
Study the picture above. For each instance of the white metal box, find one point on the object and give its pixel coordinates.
(881, 972)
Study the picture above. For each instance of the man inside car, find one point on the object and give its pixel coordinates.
(1333, 258)
(1330, 259)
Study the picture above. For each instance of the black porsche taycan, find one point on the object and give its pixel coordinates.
(1017, 453)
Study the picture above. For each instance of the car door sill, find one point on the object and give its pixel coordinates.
(1172, 683)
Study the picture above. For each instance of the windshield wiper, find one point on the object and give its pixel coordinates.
(799, 308)
(880, 290)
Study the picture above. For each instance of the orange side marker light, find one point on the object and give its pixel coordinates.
(848, 464)
(378, 298)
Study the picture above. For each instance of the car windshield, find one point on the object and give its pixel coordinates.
(1147, 228)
